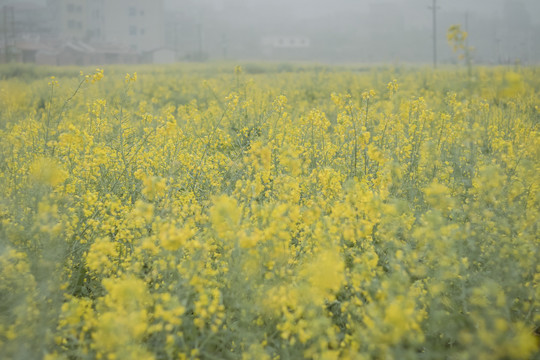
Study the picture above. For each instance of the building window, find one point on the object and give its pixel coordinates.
(143, 31)
(142, 12)
(78, 8)
(132, 30)
(132, 11)
(70, 8)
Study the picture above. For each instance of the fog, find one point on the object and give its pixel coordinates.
(339, 31)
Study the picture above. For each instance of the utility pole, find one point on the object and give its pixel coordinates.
(224, 44)
(434, 9)
(467, 28)
(176, 49)
(200, 37)
(200, 41)
(498, 42)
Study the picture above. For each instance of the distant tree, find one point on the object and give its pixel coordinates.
(457, 39)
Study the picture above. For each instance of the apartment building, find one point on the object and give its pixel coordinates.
(136, 24)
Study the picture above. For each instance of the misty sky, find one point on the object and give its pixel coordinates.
(485, 7)
(488, 8)
(500, 31)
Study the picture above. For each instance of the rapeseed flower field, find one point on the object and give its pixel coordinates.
(269, 212)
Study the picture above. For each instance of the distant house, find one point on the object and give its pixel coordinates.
(79, 53)
(25, 51)
(286, 47)
(161, 55)
(28, 50)
(9, 54)
(75, 53)
(110, 53)
(84, 32)
(287, 42)
(47, 57)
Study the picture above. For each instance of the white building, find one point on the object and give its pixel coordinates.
(287, 42)
(136, 24)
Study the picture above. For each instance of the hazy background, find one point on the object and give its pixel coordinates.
(337, 31)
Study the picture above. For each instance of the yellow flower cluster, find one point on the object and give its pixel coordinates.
(260, 213)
